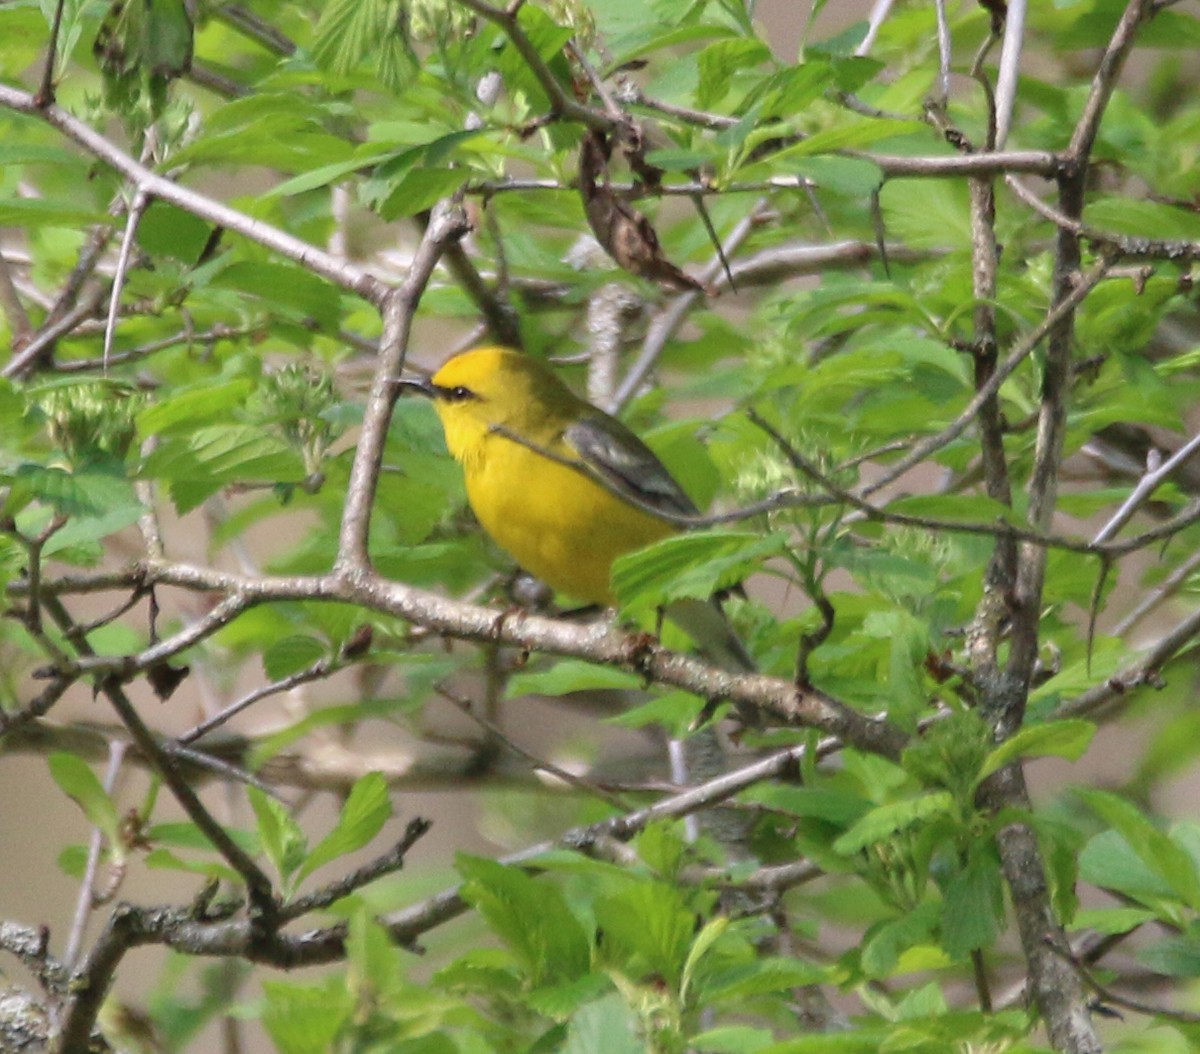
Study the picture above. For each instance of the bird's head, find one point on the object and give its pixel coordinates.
(487, 388)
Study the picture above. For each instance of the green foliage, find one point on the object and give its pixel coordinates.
(229, 409)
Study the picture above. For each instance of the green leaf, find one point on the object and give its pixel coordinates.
(571, 675)
(732, 1039)
(31, 213)
(305, 1019)
(1110, 862)
(291, 655)
(1061, 739)
(956, 508)
(1112, 920)
(84, 530)
(606, 1026)
(972, 906)
(886, 820)
(81, 492)
(167, 230)
(676, 712)
(165, 860)
(190, 407)
(76, 780)
(280, 836)
(705, 939)
(420, 189)
(732, 986)
(348, 30)
(351, 713)
(1162, 855)
(887, 942)
(720, 61)
(1174, 956)
(1143, 219)
(530, 916)
(367, 809)
(848, 177)
(833, 806)
(860, 1041)
(647, 928)
(153, 37)
(661, 845)
(283, 289)
(691, 565)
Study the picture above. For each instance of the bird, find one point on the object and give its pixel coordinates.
(563, 487)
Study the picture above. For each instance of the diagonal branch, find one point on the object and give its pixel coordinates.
(1082, 286)
(342, 273)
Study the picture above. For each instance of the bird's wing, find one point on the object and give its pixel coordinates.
(625, 465)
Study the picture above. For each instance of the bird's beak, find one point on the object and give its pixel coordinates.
(422, 385)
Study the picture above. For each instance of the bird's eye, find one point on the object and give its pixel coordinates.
(460, 394)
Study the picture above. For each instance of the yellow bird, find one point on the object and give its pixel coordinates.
(559, 484)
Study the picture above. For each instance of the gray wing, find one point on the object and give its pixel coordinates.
(624, 464)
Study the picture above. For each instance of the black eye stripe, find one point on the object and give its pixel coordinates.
(458, 394)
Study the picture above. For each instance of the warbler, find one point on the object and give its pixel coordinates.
(559, 484)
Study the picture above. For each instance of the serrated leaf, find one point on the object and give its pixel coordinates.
(1112, 920)
(44, 212)
(1062, 739)
(165, 860)
(649, 920)
(531, 917)
(972, 906)
(691, 565)
(762, 976)
(350, 713)
(367, 809)
(886, 820)
(305, 1019)
(887, 942)
(278, 833)
(194, 406)
(72, 493)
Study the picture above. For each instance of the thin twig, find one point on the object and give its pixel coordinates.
(1145, 487)
(879, 12)
(389, 863)
(342, 273)
(562, 102)
(1010, 62)
(319, 670)
(664, 325)
(137, 209)
(1023, 348)
(19, 326)
(257, 884)
(87, 886)
(942, 95)
(466, 707)
(23, 363)
(1163, 591)
(45, 95)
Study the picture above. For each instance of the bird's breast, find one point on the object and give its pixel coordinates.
(555, 521)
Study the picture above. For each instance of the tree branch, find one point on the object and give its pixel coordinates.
(341, 272)
(447, 224)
